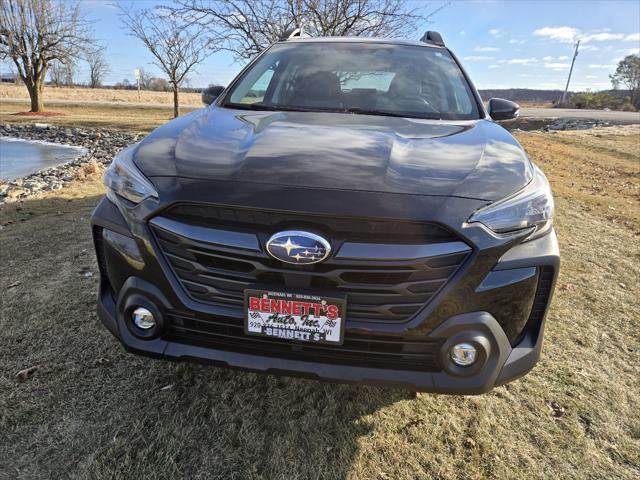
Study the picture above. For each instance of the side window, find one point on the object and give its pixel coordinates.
(258, 88)
(463, 101)
(460, 100)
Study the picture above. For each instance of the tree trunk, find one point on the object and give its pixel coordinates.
(34, 87)
(176, 106)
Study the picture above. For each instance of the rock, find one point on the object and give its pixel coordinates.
(16, 192)
(101, 146)
(34, 185)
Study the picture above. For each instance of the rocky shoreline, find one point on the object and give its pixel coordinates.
(101, 146)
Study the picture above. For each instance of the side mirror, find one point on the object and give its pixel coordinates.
(501, 109)
(209, 94)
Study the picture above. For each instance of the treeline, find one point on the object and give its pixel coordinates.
(621, 100)
(612, 99)
(522, 95)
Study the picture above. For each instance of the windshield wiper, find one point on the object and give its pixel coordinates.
(353, 110)
(387, 113)
(271, 108)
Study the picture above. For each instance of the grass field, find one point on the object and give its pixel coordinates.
(8, 91)
(123, 109)
(122, 117)
(90, 410)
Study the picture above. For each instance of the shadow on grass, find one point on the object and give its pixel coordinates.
(94, 411)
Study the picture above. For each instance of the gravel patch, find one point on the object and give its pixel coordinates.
(101, 146)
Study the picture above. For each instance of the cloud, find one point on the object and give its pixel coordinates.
(547, 59)
(583, 85)
(601, 37)
(494, 66)
(563, 57)
(514, 41)
(557, 66)
(550, 85)
(522, 61)
(591, 76)
(462, 33)
(607, 67)
(494, 32)
(477, 58)
(570, 34)
(560, 34)
(486, 49)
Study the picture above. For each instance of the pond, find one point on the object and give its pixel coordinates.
(19, 158)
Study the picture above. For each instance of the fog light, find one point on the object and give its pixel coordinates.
(143, 318)
(463, 354)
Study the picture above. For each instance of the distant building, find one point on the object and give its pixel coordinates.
(9, 78)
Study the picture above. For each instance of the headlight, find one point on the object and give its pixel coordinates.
(529, 209)
(124, 179)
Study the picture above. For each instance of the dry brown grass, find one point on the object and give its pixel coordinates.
(598, 167)
(8, 91)
(90, 170)
(90, 410)
(123, 117)
(535, 104)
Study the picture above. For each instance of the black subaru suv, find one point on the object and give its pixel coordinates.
(346, 209)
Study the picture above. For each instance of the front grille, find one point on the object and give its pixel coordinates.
(271, 221)
(382, 291)
(397, 353)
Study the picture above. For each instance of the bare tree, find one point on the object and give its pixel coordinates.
(98, 66)
(145, 78)
(249, 26)
(177, 46)
(34, 33)
(158, 84)
(628, 74)
(62, 73)
(70, 72)
(57, 73)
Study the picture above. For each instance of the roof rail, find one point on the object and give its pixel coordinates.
(291, 33)
(433, 37)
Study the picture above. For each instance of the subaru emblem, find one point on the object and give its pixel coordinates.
(297, 247)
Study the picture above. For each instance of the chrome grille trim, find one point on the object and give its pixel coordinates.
(214, 266)
(384, 252)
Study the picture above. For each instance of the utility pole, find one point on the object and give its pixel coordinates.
(564, 95)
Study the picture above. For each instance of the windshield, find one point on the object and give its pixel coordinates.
(364, 78)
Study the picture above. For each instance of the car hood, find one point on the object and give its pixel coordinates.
(470, 159)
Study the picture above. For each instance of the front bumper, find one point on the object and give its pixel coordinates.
(504, 355)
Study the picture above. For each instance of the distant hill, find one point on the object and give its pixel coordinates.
(522, 95)
(537, 96)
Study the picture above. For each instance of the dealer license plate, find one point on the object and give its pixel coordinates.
(294, 316)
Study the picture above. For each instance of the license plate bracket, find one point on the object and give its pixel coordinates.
(296, 317)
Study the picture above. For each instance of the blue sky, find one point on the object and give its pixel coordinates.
(502, 44)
